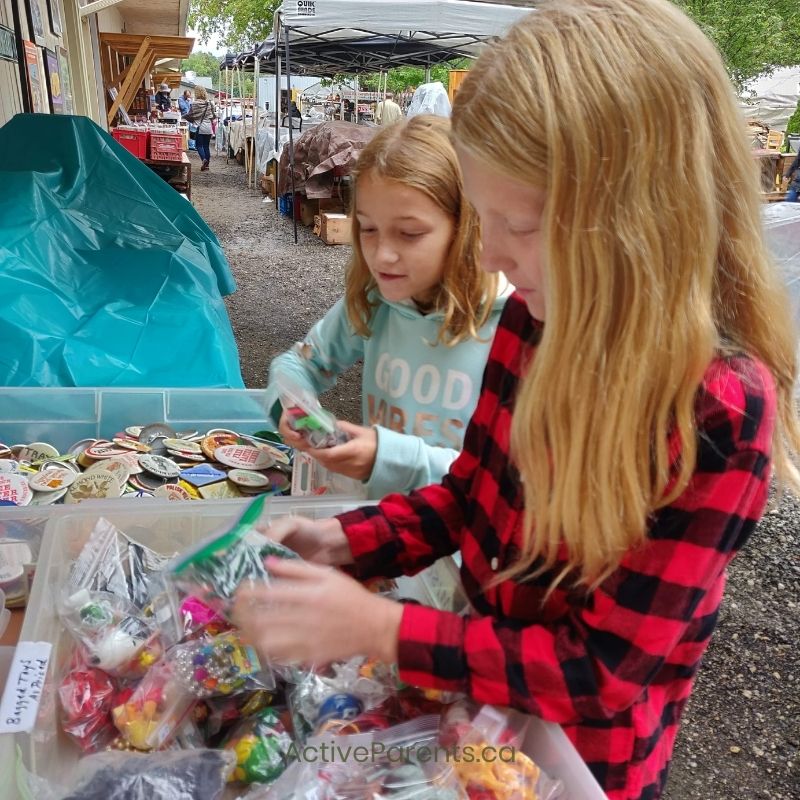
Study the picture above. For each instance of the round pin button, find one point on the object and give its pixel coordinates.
(14, 488)
(38, 451)
(160, 466)
(117, 467)
(97, 486)
(133, 444)
(172, 491)
(104, 450)
(243, 456)
(52, 479)
(9, 465)
(158, 430)
(182, 446)
(248, 478)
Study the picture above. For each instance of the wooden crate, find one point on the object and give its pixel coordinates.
(333, 228)
(309, 210)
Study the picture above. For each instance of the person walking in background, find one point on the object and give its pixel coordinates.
(185, 105)
(793, 176)
(387, 111)
(202, 114)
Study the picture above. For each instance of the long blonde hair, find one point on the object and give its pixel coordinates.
(417, 153)
(654, 261)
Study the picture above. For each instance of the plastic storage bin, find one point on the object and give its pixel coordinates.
(46, 751)
(63, 416)
(134, 140)
(165, 146)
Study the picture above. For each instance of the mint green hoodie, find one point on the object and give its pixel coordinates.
(419, 395)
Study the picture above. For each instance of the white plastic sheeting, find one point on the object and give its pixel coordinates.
(392, 16)
(781, 223)
(430, 98)
(772, 99)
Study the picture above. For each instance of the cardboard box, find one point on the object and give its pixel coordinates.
(268, 185)
(309, 209)
(333, 228)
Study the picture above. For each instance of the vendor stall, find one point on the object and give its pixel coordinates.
(329, 37)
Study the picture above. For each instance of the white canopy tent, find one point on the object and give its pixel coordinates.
(323, 37)
(772, 99)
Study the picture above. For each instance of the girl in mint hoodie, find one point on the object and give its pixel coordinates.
(418, 311)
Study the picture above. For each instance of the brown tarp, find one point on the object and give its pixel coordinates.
(329, 150)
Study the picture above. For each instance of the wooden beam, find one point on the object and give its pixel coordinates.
(129, 86)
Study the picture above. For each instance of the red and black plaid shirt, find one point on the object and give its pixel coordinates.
(614, 668)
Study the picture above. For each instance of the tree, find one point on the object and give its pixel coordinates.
(239, 24)
(753, 36)
(203, 64)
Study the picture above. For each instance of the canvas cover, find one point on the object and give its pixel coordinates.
(108, 277)
(327, 150)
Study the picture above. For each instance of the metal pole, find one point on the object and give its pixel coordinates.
(276, 32)
(256, 108)
(287, 31)
(357, 87)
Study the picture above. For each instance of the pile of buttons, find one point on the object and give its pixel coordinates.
(145, 462)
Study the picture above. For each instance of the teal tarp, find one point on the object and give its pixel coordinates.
(108, 277)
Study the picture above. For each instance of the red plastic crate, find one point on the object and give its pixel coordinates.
(133, 140)
(165, 146)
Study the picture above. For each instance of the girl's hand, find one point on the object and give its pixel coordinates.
(312, 615)
(292, 438)
(322, 541)
(355, 458)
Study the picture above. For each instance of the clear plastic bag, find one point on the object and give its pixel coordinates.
(214, 570)
(262, 745)
(86, 697)
(171, 775)
(306, 416)
(394, 764)
(117, 638)
(156, 710)
(222, 665)
(324, 700)
(488, 761)
(112, 562)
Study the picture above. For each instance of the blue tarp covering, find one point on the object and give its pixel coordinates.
(108, 277)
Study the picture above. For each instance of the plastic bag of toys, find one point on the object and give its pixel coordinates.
(115, 635)
(155, 711)
(172, 775)
(86, 696)
(262, 745)
(213, 570)
(489, 763)
(221, 665)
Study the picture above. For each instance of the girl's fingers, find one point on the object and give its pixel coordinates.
(294, 569)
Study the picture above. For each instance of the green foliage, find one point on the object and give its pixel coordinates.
(401, 77)
(754, 36)
(793, 125)
(203, 64)
(239, 24)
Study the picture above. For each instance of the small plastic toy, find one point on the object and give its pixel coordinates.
(222, 665)
(306, 416)
(261, 744)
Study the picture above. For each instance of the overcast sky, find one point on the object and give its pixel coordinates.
(211, 46)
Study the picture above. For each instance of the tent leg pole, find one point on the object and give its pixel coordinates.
(286, 32)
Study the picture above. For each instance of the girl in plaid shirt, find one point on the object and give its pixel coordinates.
(636, 400)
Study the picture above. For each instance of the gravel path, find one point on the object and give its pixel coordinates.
(741, 730)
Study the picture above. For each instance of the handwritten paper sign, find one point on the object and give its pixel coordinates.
(24, 686)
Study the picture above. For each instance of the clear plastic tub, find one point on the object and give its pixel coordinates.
(47, 752)
(64, 416)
